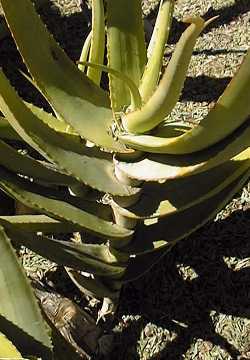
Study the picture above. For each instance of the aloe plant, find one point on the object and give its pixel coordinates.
(114, 168)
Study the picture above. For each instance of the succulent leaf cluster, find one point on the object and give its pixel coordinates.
(111, 166)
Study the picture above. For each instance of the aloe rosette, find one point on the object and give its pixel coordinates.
(113, 168)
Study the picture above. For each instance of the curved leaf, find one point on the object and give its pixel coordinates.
(85, 52)
(70, 156)
(153, 235)
(22, 340)
(134, 92)
(92, 287)
(7, 132)
(126, 47)
(161, 167)
(230, 112)
(156, 48)
(7, 349)
(83, 257)
(163, 100)
(61, 207)
(23, 164)
(73, 96)
(158, 200)
(96, 54)
(17, 303)
(40, 223)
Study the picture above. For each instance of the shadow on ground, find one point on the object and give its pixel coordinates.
(225, 16)
(183, 306)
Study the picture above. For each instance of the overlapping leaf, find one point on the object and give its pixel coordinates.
(126, 47)
(160, 167)
(17, 303)
(167, 93)
(156, 48)
(84, 257)
(164, 232)
(158, 200)
(87, 165)
(80, 102)
(39, 223)
(85, 216)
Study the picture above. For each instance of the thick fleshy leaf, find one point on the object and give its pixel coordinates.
(23, 341)
(166, 95)
(92, 287)
(126, 47)
(40, 223)
(87, 165)
(86, 215)
(73, 96)
(230, 111)
(7, 132)
(85, 52)
(7, 349)
(134, 91)
(156, 48)
(17, 303)
(161, 167)
(158, 200)
(156, 142)
(25, 165)
(156, 234)
(58, 125)
(97, 47)
(84, 257)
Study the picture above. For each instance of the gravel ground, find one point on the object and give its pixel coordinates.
(195, 304)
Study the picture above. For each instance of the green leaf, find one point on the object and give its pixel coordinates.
(7, 349)
(166, 95)
(230, 112)
(23, 164)
(161, 167)
(58, 125)
(126, 47)
(169, 230)
(158, 141)
(86, 215)
(93, 287)
(156, 48)
(17, 303)
(83, 257)
(87, 165)
(96, 54)
(135, 96)
(28, 345)
(7, 132)
(85, 52)
(73, 96)
(40, 223)
(158, 200)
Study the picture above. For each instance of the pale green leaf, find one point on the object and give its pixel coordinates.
(126, 47)
(83, 257)
(73, 96)
(166, 95)
(169, 230)
(156, 48)
(158, 200)
(87, 215)
(96, 54)
(17, 303)
(87, 165)
(160, 167)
